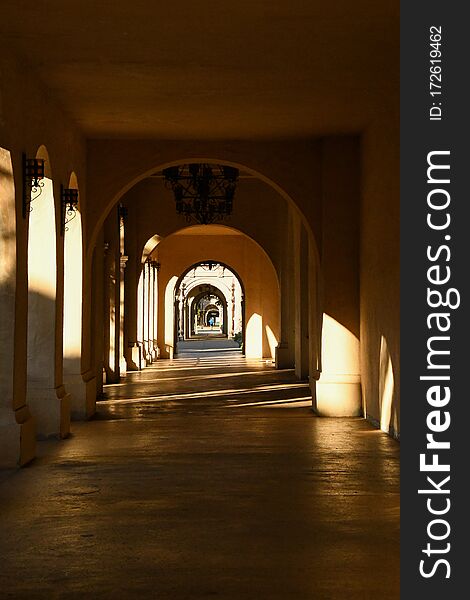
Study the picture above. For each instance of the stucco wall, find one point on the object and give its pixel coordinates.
(380, 276)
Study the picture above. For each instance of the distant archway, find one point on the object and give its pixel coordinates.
(206, 302)
(184, 310)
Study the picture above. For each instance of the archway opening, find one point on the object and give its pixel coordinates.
(209, 308)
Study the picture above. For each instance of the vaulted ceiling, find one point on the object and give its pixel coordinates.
(210, 70)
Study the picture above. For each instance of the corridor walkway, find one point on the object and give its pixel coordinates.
(205, 477)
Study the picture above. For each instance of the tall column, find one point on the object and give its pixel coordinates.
(301, 299)
(97, 302)
(111, 316)
(232, 311)
(17, 425)
(122, 358)
(181, 314)
(285, 350)
(148, 314)
(151, 284)
(145, 303)
(315, 322)
(153, 305)
(152, 309)
(187, 320)
(155, 310)
(122, 215)
(339, 387)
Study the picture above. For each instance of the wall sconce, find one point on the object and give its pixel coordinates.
(33, 174)
(155, 264)
(69, 206)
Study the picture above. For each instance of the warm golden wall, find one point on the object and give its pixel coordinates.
(380, 274)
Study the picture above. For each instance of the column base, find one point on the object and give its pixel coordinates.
(134, 358)
(338, 396)
(283, 357)
(82, 390)
(51, 409)
(17, 438)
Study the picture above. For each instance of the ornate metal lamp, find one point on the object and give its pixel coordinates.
(155, 265)
(202, 192)
(69, 205)
(33, 175)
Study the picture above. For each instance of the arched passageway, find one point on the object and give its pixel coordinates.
(260, 191)
(205, 313)
(247, 493)
(209, 303)
(242, 272)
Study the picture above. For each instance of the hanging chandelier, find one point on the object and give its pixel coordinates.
(202, 192)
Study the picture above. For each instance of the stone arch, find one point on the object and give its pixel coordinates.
(154, 161)
(135, 177)
(196, 295)
(168, 335)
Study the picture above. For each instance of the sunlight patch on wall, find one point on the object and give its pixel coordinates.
(140, 307)
(42, 244)
(7, 218)
(42, 275)
(340, 349)
(254, 337)
(169, 312)
(339, 387)
(386, 385)
(73, 289)
(272, 341)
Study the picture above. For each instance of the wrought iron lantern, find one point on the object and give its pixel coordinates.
(203, 192)
(69, 205)
(33, 175)
(155, 265)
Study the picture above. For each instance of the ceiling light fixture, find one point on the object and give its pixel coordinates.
(202, 192)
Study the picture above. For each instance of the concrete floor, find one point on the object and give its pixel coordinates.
(205, 478)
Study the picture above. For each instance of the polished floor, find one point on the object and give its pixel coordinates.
(205, 477)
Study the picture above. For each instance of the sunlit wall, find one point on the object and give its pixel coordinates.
(73, 295)
(339, 387)
(42, 285)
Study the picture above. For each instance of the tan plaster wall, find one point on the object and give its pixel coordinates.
(379, 267)
(340, 239)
